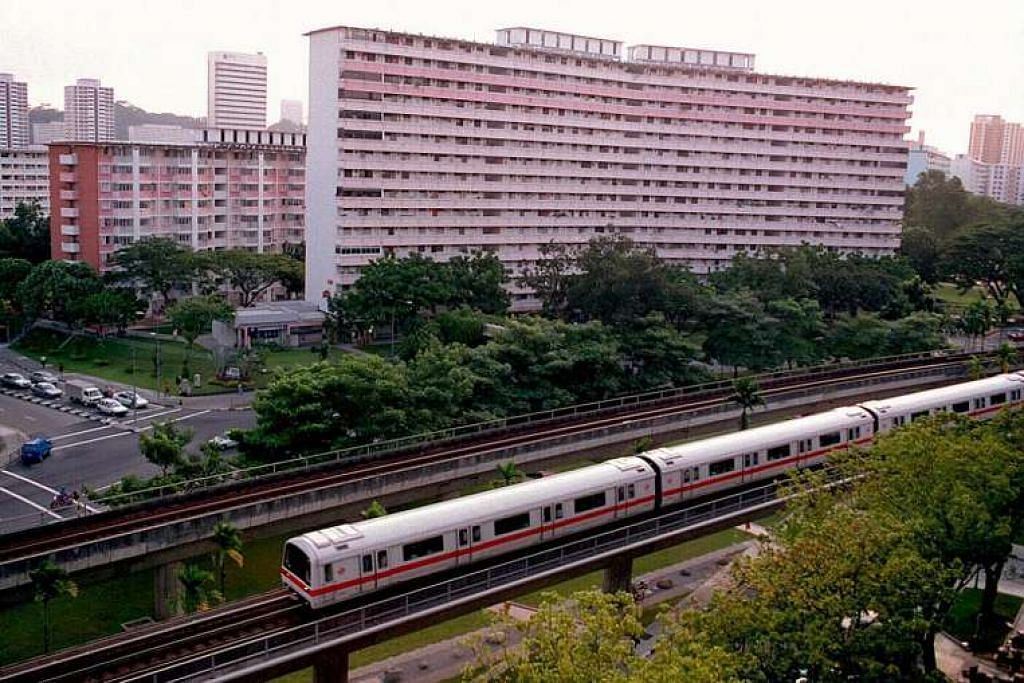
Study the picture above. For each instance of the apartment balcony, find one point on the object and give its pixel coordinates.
(66, 212)
(70, 230)
(68, 159)
(68, 177)
(70, 247)
(69, 195)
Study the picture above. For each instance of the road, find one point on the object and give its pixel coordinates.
(87, 453)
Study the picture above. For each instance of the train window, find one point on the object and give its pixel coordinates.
(367, 564)
(428, 546)
(476, 534)
(979, 403)
(463, 538)
(631, 491)
(297, 562)
(996, 399)
(778, 452)
(830, 439)
(695, 473)
(918, 415)
(559, 511)
(962, 407)
(621, 494)
(382, 559)
(547, 513)
(721, 467)
(853, 434)
(591, 502)
(686, 476)
(1015, 395)
(328, 573)
(507, 525)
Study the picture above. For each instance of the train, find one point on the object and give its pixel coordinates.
(337, 563)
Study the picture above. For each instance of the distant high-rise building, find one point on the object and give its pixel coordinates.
(291, 110)
(24, 177)
(923, 158)
(236, 90)
(45, 133)
(995, 141)
(89, 111)
(14, 128)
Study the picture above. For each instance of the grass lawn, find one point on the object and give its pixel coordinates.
(961, 622)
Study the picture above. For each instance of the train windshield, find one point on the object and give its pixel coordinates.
(296, 562)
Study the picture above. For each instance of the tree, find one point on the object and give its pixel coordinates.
(1006, 354)
(592, 637)
(192, 317)
(48, 583)
(509, 472)
(164, 445)
(656, 355)
(922, 250)
(740, 333)
(374, 510)
(156, 265)
(478, 281)
(291, 273)
(228, 540)
(398, 289)
(196, 593)
(26, 235)
(800, 329)
(116, 307)
(917, 332)
(54, 287)
(975, 368)
(862, 336)
(747, 395)
(251, 273)
(992, 254)
(977, 319)
(942, 205)
(549, 277)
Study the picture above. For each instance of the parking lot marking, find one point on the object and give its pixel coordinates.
(166, 412)
(12, 494)
(42, 486)
(84, 431)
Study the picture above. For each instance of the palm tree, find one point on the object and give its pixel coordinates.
(975, 367)
(746, 393)
(48, 582)
(229, 544)
(510, 472)
(195, 589)
(1007, 356)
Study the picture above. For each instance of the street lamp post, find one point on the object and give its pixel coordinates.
(159, 374)
(135, 391)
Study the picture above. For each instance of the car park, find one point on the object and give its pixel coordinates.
(130, 399)
(16, 380)
(36, 450)
(109, 406)
(82, 392)
(46, 390)
(222, 442)
(43, 376)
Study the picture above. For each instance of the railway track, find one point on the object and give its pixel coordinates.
(34, 542)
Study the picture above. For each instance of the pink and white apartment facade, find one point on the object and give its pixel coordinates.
(445, 146)
(233, 189)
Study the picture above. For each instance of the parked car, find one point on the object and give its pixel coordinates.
(43, 376)
(36, 450)
(109, 406)
(131, 400)
(1016, 335)
(16, 380)
(222, 442)
(46, 390)
(82, 392)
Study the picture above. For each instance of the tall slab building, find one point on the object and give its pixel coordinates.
(443, 147)
(236, 90)
(88, 111)
(14, 129)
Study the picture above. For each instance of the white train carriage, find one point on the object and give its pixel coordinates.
(701, 467)
(982, 398)
(336, 563)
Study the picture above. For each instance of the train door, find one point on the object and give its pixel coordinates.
(465, 553)
(804, 448)
(547, 522)
(620, 502)
(368, 572)
(750, 461)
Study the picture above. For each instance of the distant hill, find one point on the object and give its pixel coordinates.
(125, 114)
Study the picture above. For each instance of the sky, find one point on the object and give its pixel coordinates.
(963, 58)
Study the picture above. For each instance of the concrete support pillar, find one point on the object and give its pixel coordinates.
(331, 667)
(166, 590)
(618, 575)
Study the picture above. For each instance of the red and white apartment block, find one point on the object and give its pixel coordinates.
(445, 146)
(231, 189)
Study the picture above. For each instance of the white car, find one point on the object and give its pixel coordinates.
(43, 376)
(109, 406)
(16, 380)
(46, 390)
(222, 442)
(131, 400)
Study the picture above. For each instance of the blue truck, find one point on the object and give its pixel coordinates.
(35, 450)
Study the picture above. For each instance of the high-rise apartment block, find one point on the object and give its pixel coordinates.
(88, 111)
(995, 141)
(923, 158)
(45, 133)
(24, 177)
(236, 90)
(994, 163)
(232, 189)
(291, 110)
(444, 147)
(14, 128)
